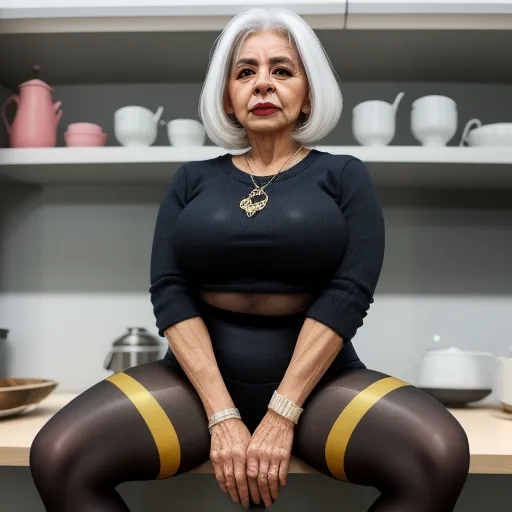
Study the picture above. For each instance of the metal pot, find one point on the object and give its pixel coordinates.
(134, 348)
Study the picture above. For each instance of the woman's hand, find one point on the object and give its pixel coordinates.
(268, 456)
(230, 439)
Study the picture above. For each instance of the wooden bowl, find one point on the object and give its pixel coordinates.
(18, 394)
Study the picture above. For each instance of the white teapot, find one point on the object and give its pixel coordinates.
(505, 364)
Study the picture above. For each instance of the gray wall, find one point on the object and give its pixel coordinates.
(74, 275)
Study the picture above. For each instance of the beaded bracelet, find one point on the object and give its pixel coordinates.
(225, 414)
(285, 407)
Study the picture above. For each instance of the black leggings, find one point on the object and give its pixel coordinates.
(358, 425)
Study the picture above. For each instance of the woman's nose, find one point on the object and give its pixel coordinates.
(263, 85)
(264, 89)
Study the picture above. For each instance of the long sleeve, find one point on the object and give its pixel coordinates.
(344, 301)
(170, 295)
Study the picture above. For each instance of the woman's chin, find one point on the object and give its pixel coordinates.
(263, 125)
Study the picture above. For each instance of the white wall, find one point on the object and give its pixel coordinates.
(74, 261)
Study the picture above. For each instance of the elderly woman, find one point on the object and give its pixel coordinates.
(264, 265)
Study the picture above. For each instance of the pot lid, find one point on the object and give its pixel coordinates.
(136, 336)
(35, 81)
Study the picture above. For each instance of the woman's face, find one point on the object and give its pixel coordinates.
(268, 70)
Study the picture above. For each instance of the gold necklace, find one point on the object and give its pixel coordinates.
(247, 204)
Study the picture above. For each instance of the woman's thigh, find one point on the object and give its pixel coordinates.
(369, 428)
(144, 423)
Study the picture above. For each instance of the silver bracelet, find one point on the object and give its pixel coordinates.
(285, 407)
(225, 414)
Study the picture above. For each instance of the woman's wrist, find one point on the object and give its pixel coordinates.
(225, 414)
(285, 407)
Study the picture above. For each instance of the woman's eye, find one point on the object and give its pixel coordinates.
(241, 74)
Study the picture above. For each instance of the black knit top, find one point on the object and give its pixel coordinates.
(322, 231)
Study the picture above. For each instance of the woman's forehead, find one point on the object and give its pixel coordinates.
(274, 50)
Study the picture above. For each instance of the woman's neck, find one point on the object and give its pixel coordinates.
(268, 156)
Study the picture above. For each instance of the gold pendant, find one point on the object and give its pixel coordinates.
(250, 207)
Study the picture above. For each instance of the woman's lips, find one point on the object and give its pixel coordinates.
(264, 111)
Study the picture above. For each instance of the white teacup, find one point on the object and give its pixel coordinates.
(434, 120)
(373, 123)
(186, 132)
(136, 126)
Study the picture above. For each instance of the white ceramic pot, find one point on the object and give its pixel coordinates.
(136, 126)
(434, 120)
(374, 121)
(186, 132)
(453, 368)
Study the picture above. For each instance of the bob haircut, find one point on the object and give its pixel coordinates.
(324, 90)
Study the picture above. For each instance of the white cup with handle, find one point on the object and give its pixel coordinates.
(186, 132)
(434, 120)
(136, 126)
(374, 121)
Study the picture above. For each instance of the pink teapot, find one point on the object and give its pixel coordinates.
(37, 117)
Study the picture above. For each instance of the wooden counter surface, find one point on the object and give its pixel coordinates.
(489, 431)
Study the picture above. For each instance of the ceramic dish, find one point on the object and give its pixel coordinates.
(85, 128)
(18, 394)
(489, 135)
(78, 139)
(457, 397)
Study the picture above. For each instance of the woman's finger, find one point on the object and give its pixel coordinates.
(219, 475)
(263, 481)
(273, 478)
(283, 470)
(252, 474)
(241, 476)
(229, 473)
(217, 468)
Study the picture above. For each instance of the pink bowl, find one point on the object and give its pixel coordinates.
(84, 128)
(85, 139)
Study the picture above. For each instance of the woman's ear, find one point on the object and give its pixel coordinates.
(228, 107)
(306, 106)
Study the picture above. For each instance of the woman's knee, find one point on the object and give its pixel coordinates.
(444, 455)
(50, 457)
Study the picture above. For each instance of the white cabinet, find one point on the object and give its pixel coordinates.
(431, 6)
(58, 16)
(75, 10)
(430, 14)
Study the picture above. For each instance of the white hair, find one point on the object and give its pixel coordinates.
(324, 90)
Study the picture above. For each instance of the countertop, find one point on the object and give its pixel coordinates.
(489, 430)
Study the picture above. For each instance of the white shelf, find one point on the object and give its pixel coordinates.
(430, 6)
(110, 15)
(394, 166)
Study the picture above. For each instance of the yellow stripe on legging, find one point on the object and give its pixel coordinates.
(347, 421)
(159, 424)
